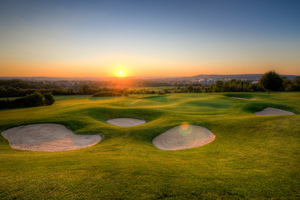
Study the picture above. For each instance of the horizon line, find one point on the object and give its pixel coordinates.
(138, 76)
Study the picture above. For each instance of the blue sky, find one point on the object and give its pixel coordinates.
(93, 38)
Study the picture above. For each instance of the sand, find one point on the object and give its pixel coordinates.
(183, 137)
(47, 137)
(125, 122)
(274, 111)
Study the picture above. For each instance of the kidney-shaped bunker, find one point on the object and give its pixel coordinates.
(47, 137)
(183, 137)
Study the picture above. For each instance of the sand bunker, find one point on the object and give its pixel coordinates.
(125, 121)
(274, 111)
(47, 137)
(183, 137)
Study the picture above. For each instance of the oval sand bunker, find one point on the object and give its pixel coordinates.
(125, 122)
(47, 137)
(274, 111)
(183, 137)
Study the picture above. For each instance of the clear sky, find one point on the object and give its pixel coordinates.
(148, 37)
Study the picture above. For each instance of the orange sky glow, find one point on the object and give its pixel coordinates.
(148, 38)
(171, 69)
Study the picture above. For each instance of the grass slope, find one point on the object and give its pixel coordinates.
(252, 157)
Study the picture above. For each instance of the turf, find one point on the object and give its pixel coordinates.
(252, 157)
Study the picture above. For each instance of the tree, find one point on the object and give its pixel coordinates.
(270, 81)
(219, 86)
(3, 91)
(296, 83)
(286, 84)
(86, 89)
(125, 93)
(190, 88)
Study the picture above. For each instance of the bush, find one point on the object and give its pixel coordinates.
(35, 99)
(48, 99)
(32, 100)
(161, 92)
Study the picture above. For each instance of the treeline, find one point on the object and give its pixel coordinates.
(154, 84)
(240, 86)
(32, 100)
(219, 86)
(20, 88)
(106, 92)
(21, 84)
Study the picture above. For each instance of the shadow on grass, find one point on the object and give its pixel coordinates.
(104, 114)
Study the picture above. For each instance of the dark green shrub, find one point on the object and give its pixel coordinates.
(32, 100)
(48, 99)
(35, 99)
(161, 92)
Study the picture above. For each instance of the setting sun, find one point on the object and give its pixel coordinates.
(121, 71)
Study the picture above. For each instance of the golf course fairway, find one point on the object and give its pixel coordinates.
(251, 157)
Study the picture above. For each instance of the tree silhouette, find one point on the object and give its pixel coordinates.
(270, 81)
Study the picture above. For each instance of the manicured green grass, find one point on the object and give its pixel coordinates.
(240, 95)
(252, 157)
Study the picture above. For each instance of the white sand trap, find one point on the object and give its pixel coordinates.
(238, 98)
(125, 122)
(274, 111)
(183, 137)
(47, 137)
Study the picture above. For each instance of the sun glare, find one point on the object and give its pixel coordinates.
(120, 71)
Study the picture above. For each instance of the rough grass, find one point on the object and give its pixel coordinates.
(252, 157)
